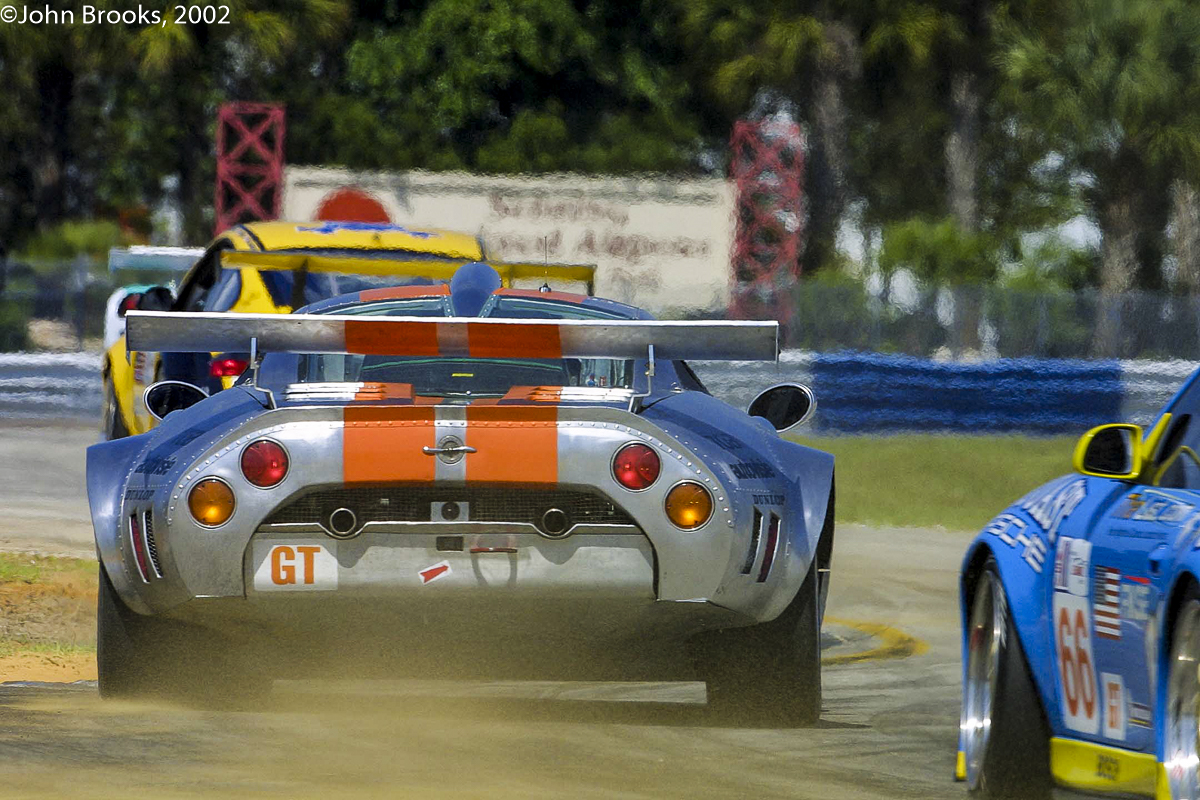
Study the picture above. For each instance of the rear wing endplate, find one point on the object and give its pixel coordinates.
(159, 331)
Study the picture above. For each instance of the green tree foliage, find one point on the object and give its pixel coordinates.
(527, 86)
(1115, 85)
(1004, 116)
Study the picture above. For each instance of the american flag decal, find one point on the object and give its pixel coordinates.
(1108, 603)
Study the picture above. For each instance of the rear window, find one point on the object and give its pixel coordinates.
(468, 377)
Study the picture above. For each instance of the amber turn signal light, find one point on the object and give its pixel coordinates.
(689, 505)
(211, 502)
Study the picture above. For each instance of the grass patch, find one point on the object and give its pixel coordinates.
(14, 647)
(956, 482)
(29, 568)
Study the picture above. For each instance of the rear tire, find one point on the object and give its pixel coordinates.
(770, 674)
(1180, 730)
(1006, 739)
(141, 657)
(120, 666)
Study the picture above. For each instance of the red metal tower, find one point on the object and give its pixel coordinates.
(767, 168)
(249, 163)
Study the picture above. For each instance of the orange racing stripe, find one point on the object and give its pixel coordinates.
(514, 444)
(383, 443)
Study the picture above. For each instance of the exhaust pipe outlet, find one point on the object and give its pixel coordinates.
(555, 523)
(343, 523)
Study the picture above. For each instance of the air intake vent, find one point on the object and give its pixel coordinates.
(151, 547)
(772, 545)
(755, 538)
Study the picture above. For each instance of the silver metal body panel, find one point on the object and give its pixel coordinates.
(650, 564)
(380, 564)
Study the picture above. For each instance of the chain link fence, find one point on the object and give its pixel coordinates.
(973, 322)
(953, 323)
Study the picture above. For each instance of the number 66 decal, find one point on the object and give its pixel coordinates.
(1076, 670)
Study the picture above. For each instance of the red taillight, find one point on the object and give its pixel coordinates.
(227, 367)
(636, 466)
(264, 463)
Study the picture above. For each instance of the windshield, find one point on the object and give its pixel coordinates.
(447, 376)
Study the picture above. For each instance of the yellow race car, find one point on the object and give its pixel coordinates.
(275, 267)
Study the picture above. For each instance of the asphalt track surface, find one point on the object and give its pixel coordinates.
(888, 728)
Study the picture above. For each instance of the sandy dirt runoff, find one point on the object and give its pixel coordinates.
(888, 727)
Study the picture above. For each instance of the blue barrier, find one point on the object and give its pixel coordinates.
(872, 392)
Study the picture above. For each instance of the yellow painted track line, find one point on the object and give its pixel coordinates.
(892, 643)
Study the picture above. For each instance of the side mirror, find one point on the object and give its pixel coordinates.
(166, 396)
(156, 298)
(1110, 451)
(784, 406)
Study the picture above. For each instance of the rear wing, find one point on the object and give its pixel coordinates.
(159, 331)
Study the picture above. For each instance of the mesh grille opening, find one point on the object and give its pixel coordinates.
(412, 503)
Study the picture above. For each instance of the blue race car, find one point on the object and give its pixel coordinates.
(1081, 622)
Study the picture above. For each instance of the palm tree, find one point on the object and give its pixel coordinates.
(1116, 84)
(207, 64)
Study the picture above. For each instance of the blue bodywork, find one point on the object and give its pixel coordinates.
(1093, 569)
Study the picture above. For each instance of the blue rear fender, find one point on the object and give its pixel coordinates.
(1023, 540)
(1027, 606)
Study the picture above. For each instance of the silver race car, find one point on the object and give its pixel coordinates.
(463, 480)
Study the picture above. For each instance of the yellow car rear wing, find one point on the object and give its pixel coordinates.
(400, 263)
(379, 263)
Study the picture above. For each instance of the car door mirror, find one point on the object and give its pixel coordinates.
(784, 406)
(1110, 451)
(166, 396)
(156, 298)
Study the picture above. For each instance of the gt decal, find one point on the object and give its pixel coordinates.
(1114, 705)
(1011, 530)
(1076, 671)
(295, 566)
